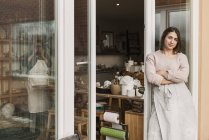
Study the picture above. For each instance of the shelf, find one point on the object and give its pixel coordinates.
(4, 93)
(13, 95)
(119, 96)
(110, 95)
(17, 91)
(81, 91)
(19, 94)
(5, 77)
(5, 59)
(5, 72)
(5, 40)
(21, 42)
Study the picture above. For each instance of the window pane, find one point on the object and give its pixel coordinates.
(27, 69)
(157, 30)
(81, 68)
(182, 24)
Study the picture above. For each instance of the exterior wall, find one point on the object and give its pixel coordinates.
(204, 71)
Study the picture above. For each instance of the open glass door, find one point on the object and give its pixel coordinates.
(81, 108)
(84, 69)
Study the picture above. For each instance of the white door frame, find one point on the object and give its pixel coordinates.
(65, 66)
(194, 51)
(149, 42)
(65, 28)
(149, 46)
(92, 69)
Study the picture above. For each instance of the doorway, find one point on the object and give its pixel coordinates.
(107, 54)
(107, 51)
(119, 54)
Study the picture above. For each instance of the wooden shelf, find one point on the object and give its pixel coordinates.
(13, 95)
(4, 93)
(119, 96)
(21, 42)
(81, 91)
(4, 59)
(5, 40)
(17, 91)
(5, 77)
(19, 94)
(110, 95)
(5, 74)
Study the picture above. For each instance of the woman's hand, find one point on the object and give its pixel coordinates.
(163, 73)
(166, 82)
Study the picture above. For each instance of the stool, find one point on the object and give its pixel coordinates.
(51, 113)
(99, 114)
(80, 122)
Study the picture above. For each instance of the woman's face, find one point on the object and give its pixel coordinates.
(170, 41)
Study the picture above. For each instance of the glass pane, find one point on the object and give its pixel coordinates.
(173, 13)
(81, 68)
(182, 24)
(27, 70)
(157, 30)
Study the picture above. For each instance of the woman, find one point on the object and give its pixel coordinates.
(39, 53)
(173, 112)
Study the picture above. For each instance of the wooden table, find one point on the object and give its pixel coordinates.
(111, 96)
(45, 87)
(119, 97)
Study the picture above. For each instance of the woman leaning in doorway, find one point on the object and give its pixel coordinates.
(173, 112)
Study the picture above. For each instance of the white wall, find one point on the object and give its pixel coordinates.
(111, 60)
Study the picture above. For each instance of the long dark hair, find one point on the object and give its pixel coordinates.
(178, 48)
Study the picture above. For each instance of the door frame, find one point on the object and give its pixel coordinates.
(64, 16)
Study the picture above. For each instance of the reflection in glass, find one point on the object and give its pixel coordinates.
(107, 40)
(40, 42)
(173, 14)
(81, 69)
(157, 30)
(27, 70)
(182, 24)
